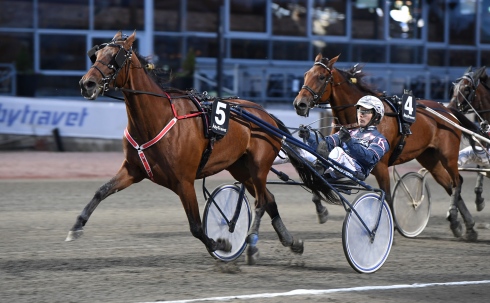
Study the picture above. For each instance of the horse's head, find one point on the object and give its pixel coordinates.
(464, 90)
(316, 88)
(108, 60)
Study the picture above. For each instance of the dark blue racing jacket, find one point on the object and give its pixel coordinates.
(366, 147)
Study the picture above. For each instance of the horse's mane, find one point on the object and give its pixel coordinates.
(485, 80)
(162, 77)
(358, 75)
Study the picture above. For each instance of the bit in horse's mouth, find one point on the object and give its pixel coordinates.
(93, 96)
(96, 93)
(303, 112)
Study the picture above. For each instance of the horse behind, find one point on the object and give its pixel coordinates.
(165, 142)
(471, 93)
(432, 141)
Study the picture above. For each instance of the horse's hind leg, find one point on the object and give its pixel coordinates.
(441, 176)
(479, 200)
(321, 211)
(471, 234)
(287, 240)
(119, 182)
(262, 205)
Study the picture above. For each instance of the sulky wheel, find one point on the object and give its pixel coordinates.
(411, 204)
(219, 210)
(365, 253)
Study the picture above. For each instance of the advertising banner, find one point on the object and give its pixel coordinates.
(84, 119)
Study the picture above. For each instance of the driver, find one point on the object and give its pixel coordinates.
(478, 155)
(358, 149)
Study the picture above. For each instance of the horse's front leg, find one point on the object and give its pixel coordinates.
(119, 182)
(321, 211)
(187, 194)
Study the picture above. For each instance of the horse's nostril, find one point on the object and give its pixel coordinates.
(302, 105)
(90, 85)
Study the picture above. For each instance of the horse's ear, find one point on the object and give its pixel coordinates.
(332, 61)
(484, 72)
(318, 57)
(117, 36)
(129, 42)
(479, 72)
(468, 70)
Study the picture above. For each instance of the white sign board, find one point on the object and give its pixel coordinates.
(85, 119)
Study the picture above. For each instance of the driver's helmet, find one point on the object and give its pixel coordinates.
(371, 102)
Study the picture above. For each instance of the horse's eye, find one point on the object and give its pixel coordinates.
(322, 77)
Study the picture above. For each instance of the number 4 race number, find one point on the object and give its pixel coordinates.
(408, 106)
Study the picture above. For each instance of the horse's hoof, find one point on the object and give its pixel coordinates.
(457, 229)
(480, 203)
(252, 255)
(73, 235)
(471, 235)
(223, 245)
(323, 216)
(297, 247)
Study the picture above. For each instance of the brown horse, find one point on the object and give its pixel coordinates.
(432, 141)
(471, 92)
(165, 142)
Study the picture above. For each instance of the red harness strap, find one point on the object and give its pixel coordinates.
(148, 144)
(164, 131)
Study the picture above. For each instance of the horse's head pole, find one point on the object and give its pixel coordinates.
(317, 86)
(108, 60)
(464, 90)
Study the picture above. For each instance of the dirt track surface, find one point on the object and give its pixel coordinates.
(137, 246)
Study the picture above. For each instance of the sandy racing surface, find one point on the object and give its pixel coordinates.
(137, 246)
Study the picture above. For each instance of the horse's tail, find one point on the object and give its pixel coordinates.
(309, 178)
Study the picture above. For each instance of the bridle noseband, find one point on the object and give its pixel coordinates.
(315, 95)
(116, 64)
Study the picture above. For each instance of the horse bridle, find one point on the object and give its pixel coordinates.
(315, 95)
(466, 104)
(116, 64)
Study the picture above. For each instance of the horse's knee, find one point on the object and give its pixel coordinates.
(104, 191)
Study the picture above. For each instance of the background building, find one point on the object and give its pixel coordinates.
(267, 44)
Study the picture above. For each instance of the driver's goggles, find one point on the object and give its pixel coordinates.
(365, 111)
